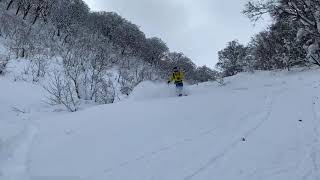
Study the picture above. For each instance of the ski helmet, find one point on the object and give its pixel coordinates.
(175, 68)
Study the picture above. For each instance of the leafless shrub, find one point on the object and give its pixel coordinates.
(61, 91)
(38, 67)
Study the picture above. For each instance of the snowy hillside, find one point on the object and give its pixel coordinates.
(258, 126)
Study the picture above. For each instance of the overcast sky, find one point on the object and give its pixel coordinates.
(198, 28)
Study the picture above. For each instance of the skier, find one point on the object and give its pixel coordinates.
(177, 77)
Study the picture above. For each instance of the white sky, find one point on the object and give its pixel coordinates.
(198, 28)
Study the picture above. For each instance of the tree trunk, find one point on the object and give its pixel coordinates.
(315, 61)
(9, 5)
(76, 85)
(35, 19)
(37, 15)
(65, 39)
(23, 53)
(18, 9)
(26, 11)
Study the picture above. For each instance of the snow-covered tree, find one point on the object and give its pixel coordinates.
(307, 12)
(154, 50)
(232, 58)
(205, 74)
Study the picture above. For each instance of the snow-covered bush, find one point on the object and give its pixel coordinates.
(106, 92)
(220, 80)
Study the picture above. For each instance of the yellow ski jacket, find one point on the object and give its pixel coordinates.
(176, 77)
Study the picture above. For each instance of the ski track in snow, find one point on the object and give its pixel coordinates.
(266, 112)
(154, 153)
(14, 155)
(312, 156)
(185, 141)
(314, 152)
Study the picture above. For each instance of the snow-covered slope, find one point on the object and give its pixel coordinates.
(258, 126)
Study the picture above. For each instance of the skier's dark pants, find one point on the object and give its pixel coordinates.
(179, 87)
(179, 84)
